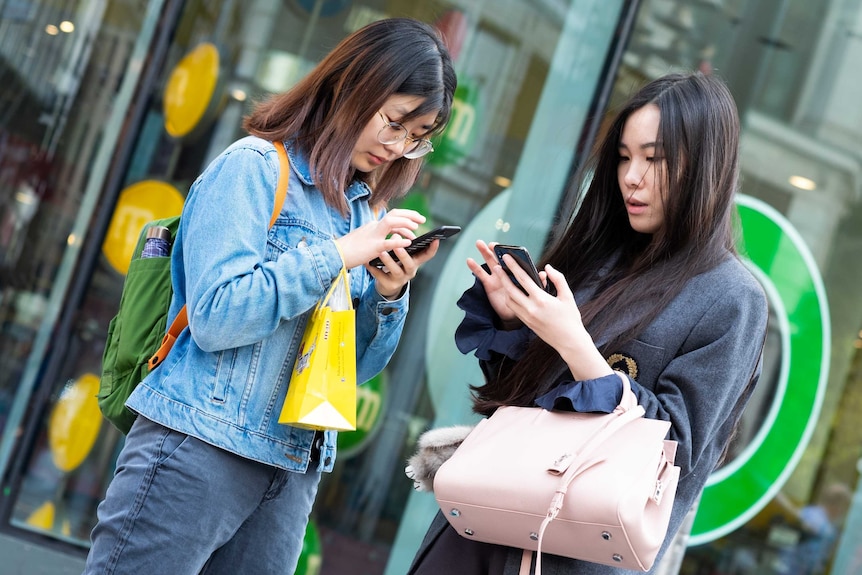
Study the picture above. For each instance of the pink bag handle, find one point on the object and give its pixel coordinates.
(627, 411)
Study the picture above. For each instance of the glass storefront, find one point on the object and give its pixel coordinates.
(99, 134)
(68, 73)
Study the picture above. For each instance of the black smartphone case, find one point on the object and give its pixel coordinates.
(421, 243)
(522, 256)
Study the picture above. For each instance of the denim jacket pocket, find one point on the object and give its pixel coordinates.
(287, 234)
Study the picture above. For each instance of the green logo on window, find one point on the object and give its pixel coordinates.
(785, 267)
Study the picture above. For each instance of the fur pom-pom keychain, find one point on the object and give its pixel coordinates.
(434, 447)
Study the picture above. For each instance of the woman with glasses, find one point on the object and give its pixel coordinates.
(647, 283)
(208, 480)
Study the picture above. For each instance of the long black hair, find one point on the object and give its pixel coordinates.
(634, 276)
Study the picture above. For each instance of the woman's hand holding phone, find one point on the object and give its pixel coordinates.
(555, 319)
(417, 245)
(393, 231)
(392, 278)
(495, 289)
(531, 304)
(501, 259)
(393, 269)
(520, 257)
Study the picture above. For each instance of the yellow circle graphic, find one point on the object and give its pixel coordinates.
(75, 422)
(190, 89)
(138, 204)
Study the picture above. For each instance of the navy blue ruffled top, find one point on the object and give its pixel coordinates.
(481, 333)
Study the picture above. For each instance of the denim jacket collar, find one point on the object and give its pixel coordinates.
(300, 164)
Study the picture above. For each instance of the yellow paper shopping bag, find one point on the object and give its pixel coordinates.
(322, 390)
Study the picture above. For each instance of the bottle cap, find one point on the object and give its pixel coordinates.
(160, 232)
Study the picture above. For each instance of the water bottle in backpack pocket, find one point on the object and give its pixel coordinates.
(158, 242)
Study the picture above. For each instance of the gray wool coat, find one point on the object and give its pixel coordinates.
(692, 366)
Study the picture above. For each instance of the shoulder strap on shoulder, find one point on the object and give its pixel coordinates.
(283, 180)
(182, 320)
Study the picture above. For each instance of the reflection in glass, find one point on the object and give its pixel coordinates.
(60, 68)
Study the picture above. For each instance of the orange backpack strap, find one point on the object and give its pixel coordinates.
(283, 179)
(177, 326)
(182, 320)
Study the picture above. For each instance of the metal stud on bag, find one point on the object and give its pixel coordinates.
(534, 536)
(468, 531)
(617, 557)
(455, 512)
(606, 536)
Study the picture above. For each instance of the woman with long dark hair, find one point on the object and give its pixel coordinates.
(648, 282)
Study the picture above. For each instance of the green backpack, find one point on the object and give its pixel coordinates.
(137, 339)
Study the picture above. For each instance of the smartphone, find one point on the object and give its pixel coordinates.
(522, 256)
(421, 243)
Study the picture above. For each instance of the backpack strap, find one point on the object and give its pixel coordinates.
(283, 178)
(182, 320)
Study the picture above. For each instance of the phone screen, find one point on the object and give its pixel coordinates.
(421, 243)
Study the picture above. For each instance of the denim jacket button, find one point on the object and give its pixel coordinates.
(327, 461)
(387, 310)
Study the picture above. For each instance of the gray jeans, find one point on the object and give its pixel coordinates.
(181, 506)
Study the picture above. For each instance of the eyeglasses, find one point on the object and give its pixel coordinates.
(393, 132)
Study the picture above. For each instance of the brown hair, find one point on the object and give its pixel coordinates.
(324, 114)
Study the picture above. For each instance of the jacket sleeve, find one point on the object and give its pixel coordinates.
(600, 395)
(479, 332)
(379, 323)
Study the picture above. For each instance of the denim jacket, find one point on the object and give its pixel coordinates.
(249, 291)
